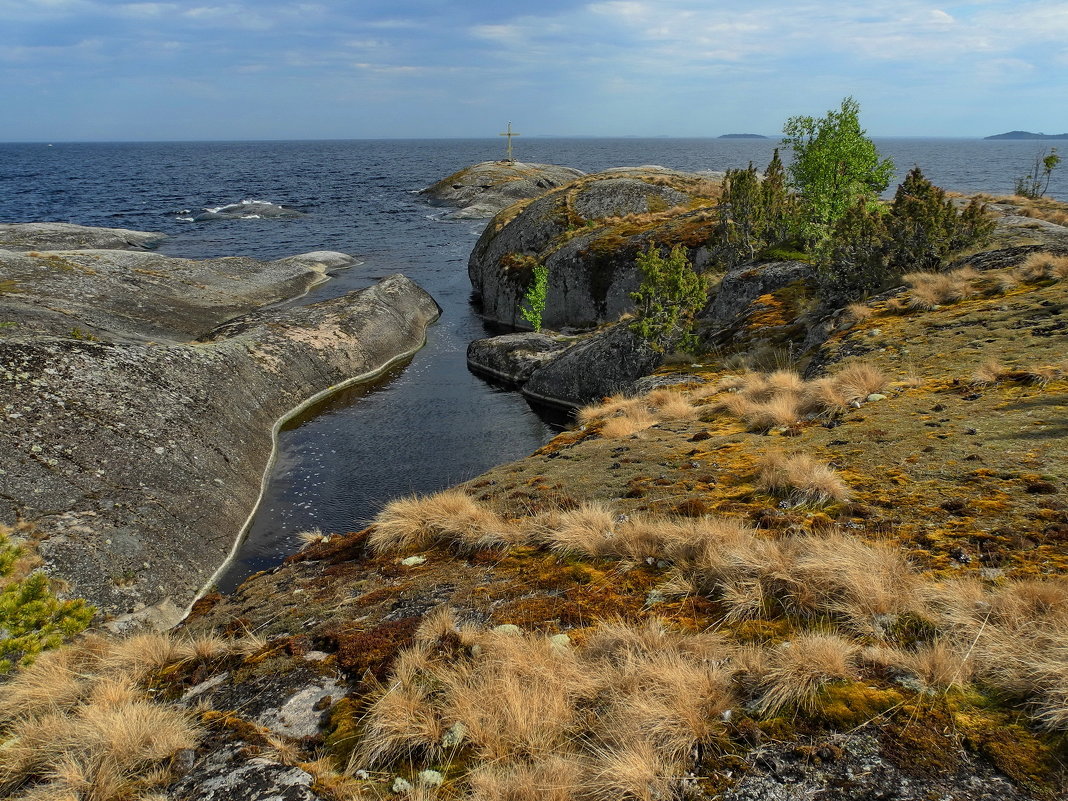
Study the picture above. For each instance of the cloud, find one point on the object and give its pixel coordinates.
(595, 63)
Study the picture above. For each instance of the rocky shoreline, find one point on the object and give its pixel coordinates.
(139, 407)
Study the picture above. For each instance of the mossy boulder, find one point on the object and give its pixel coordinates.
(482, 190)
(588, 234)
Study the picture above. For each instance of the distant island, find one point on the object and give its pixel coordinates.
(1027, 135)
(742, 136)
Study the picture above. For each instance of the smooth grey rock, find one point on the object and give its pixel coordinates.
(482, 190)
(605, 363)
(137, 296)
(67, 236)
(140, 462)
(513, 358)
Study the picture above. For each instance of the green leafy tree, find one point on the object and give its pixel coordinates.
(534, 300)
(1036, 182)
(668, 300)
(835, 164)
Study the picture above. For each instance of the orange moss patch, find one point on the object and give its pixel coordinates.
(371, 652)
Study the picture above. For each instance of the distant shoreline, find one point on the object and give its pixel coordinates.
(1027, 135)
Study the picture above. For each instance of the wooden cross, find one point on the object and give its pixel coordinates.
(509, 134)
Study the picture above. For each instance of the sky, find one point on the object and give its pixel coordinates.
(85, 70)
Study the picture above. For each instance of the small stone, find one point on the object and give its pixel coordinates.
(413, 561)
(875, 396)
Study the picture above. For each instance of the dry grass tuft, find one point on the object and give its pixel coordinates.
(552, 778)
(800, 478)
(633, 770)
(1044, 374)
(989, 372)
(867, 586)
(450, 517)
(778, 412)
(630, 422)
(859, 380)
(673, 406)
(800, 667)
(81, 724)
(940, 665)
(587, 530)
(930, 290)
(614, 405)
(312, 536)
(858, 312)
(1043, 266)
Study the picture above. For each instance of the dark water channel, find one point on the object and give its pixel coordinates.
(427, 424)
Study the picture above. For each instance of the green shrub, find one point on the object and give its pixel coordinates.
(534, 299)
(1036, 182)
(925, 226)
(753, 214)
(871, 246)
(669, 298)
(32, 618)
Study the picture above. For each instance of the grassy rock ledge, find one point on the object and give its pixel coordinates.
(139, 395)
(844, 577)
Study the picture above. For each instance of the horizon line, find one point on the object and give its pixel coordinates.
(711, 138)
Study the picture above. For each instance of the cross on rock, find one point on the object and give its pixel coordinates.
(509, 134)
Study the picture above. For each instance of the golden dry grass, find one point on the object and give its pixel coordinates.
(858, 312)
(859, 380)
(451, 517)
(799, 478)
(81, 723)
(800, 667)
(630, 422)
(551, 778)
(930, 290)
(587, 530)
(1043, 266)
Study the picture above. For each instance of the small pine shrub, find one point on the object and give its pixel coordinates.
(871, 247)
(756, 217)
(32, 618)
(669, 298)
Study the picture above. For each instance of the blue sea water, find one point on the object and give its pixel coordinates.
(428, 424)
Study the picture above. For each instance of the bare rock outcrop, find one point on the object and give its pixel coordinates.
(67, 236)
(588, 234)
(482, 190)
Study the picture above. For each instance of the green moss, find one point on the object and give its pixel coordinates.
(849, 705)
(341, 735)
